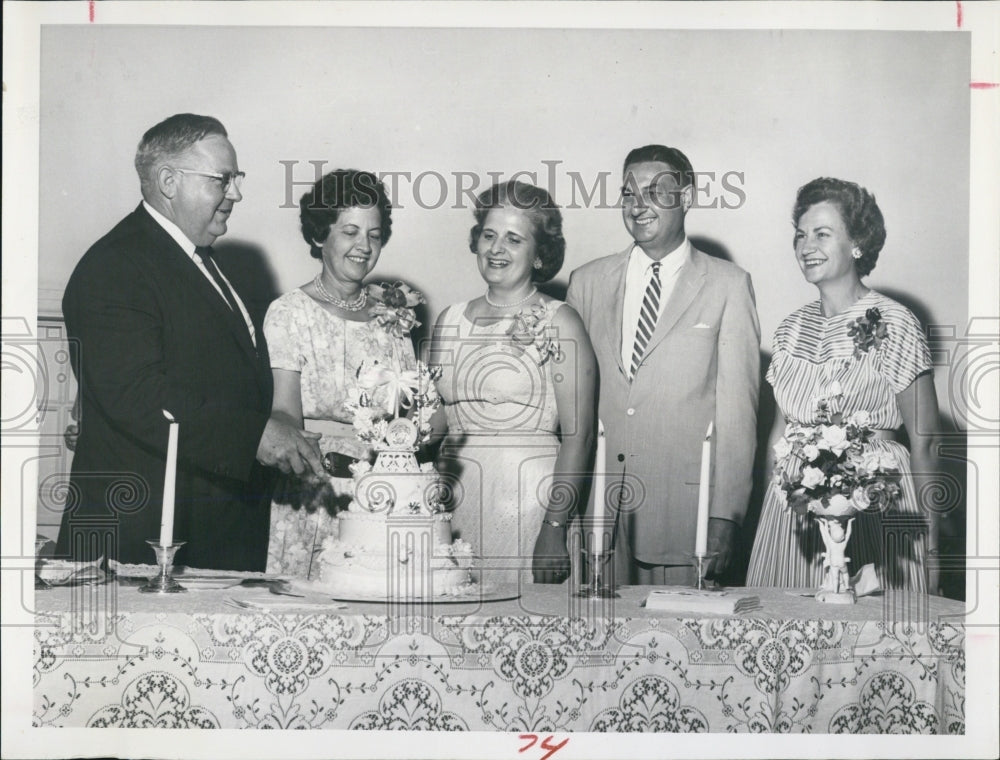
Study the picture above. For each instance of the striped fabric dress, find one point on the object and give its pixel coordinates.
(811, 352)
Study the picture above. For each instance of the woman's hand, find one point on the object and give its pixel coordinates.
(550, 563)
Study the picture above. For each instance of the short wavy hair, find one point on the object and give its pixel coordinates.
(334, 192)
(861, 214)
(170, 138)
(672, 157)
(541, 209)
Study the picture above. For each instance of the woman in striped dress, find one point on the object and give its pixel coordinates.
(882, 366)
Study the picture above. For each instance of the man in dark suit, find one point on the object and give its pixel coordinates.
(158, 326)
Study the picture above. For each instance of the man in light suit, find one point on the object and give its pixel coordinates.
(158, 326)
(677, 342)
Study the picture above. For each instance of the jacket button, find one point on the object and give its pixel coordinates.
(630, 411)
(621, 457)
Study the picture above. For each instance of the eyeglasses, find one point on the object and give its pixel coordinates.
(226, 179)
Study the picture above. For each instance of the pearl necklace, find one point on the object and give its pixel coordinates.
(357, 304)
(496, 305)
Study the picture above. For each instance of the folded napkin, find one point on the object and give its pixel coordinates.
(61, 572)
(865, 581)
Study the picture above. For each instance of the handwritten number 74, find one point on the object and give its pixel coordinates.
(547, 743)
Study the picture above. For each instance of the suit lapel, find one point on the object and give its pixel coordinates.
(613, 326)
(190, 277)
(690, 281)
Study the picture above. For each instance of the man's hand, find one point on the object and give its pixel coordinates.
(550, 563)
(721, 540)
(289, 449)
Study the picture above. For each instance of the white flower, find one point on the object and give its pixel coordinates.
(782, 448)
(836, 480)
(810, 452)
(834, 389)
(815, 506)
(860, 419)
(812, 477)
(834, 438)
(860, 498)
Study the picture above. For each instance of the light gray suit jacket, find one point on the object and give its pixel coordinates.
(702, 364)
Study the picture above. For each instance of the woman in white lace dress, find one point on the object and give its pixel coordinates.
(318, 335)
(518, 383)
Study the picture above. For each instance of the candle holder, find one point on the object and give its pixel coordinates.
(700, 563)
(600, 582)
(163, 582)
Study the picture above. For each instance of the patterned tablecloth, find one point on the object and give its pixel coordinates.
(547, 662)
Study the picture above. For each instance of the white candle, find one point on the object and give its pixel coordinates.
(169, 485)
(701, 536)
(600, 480)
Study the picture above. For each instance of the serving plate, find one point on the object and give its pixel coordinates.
(470, 595)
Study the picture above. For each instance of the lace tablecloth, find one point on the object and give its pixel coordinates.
(107, 656)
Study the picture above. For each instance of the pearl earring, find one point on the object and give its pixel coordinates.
(537, 264)
(856, 253)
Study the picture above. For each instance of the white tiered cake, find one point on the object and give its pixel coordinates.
(395, 541)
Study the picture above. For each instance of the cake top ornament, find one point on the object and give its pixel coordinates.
(413, 390)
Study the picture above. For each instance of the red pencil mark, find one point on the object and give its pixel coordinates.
(90, 8)
(984, 85)
(552, 748)
(958, 13)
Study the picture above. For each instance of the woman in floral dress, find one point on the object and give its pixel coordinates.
(518, 383)
(863, 352)
(318, 335)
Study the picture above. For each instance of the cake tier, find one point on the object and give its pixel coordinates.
(380, 491)
(358, 581)
(396, 557)
(372, 530)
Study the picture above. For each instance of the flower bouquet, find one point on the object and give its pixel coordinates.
(827, 470)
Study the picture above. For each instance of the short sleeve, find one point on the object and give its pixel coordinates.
(777, 346)
(904, 354)
(284, 332)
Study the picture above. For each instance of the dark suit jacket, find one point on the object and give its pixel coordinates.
(149, 333)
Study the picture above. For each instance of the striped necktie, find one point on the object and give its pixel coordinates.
(647, 318)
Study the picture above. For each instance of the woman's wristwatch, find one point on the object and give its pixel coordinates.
(554, 523)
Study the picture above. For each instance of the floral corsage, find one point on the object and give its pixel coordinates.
(393, 309)
(532, 329)
(868, 332)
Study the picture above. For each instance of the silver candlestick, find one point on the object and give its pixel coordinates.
(163, 582)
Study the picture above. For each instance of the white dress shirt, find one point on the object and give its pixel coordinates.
(188, 247)
(638, 272)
